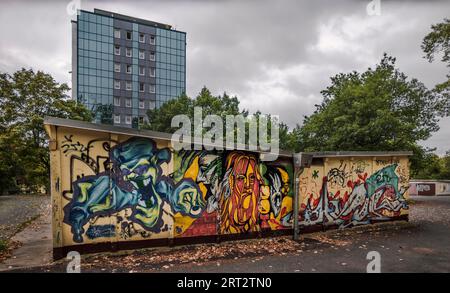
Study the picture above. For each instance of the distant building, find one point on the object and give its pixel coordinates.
(122, 66)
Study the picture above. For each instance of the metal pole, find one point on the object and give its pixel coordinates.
(300, 161)
(297, 173)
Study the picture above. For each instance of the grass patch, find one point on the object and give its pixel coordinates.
(3, 245)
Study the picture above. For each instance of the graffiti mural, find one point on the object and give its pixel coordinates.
(115, 188)
(374, 197)
(254, 195)
(81, 153)
(276, 196)
(202, 171)
(237, 195)
(135, 181)
(426, 189)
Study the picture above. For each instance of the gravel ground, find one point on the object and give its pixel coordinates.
(15, 210)
(430, 210)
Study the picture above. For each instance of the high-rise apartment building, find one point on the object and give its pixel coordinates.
(122, 66)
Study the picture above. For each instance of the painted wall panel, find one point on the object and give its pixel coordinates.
(348, 191)
(111, 188)
(443, 188)
(426, 189)
(429, 187)
(197, 175)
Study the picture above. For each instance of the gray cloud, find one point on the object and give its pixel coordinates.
(275, 56)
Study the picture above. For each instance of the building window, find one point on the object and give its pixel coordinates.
(152, 72)
(128, 85)
(128, 52)
(141, 70)
(117, 84)
(141, 54)
(129, 35)
(152, 56)
(128, 119)
(141, 87)
(116, 101)
(117, 33)
(142, 38)
(141, 104)
(151, 105)
(128, 102)
(116, 67)
(116, 50)
(129, 69)
(116, 118)
(152, 40)
(152, 88)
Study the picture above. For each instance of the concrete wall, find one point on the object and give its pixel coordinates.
(114, 191)
(429, 187)
(443, 188)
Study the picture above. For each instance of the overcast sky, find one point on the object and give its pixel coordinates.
(276, 56)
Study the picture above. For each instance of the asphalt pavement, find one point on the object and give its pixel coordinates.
(420, 245)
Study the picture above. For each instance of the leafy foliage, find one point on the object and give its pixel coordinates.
(161, 118)
(437, 42)
(26, 97)
(434, 167)
(377, 110)
(222, 106)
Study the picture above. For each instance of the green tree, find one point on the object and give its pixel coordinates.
(104, 112)
(434, 167)
(431, 167)
(379, 109)
(437, 42)
(293, 140)
(11, 171)
(445, 174)
(222, 105)
(26, 97)
(161, 118)
(284, 136)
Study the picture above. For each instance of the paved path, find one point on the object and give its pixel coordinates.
(35, 238)
(18, 209)
(36, 248)
(424, 246)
